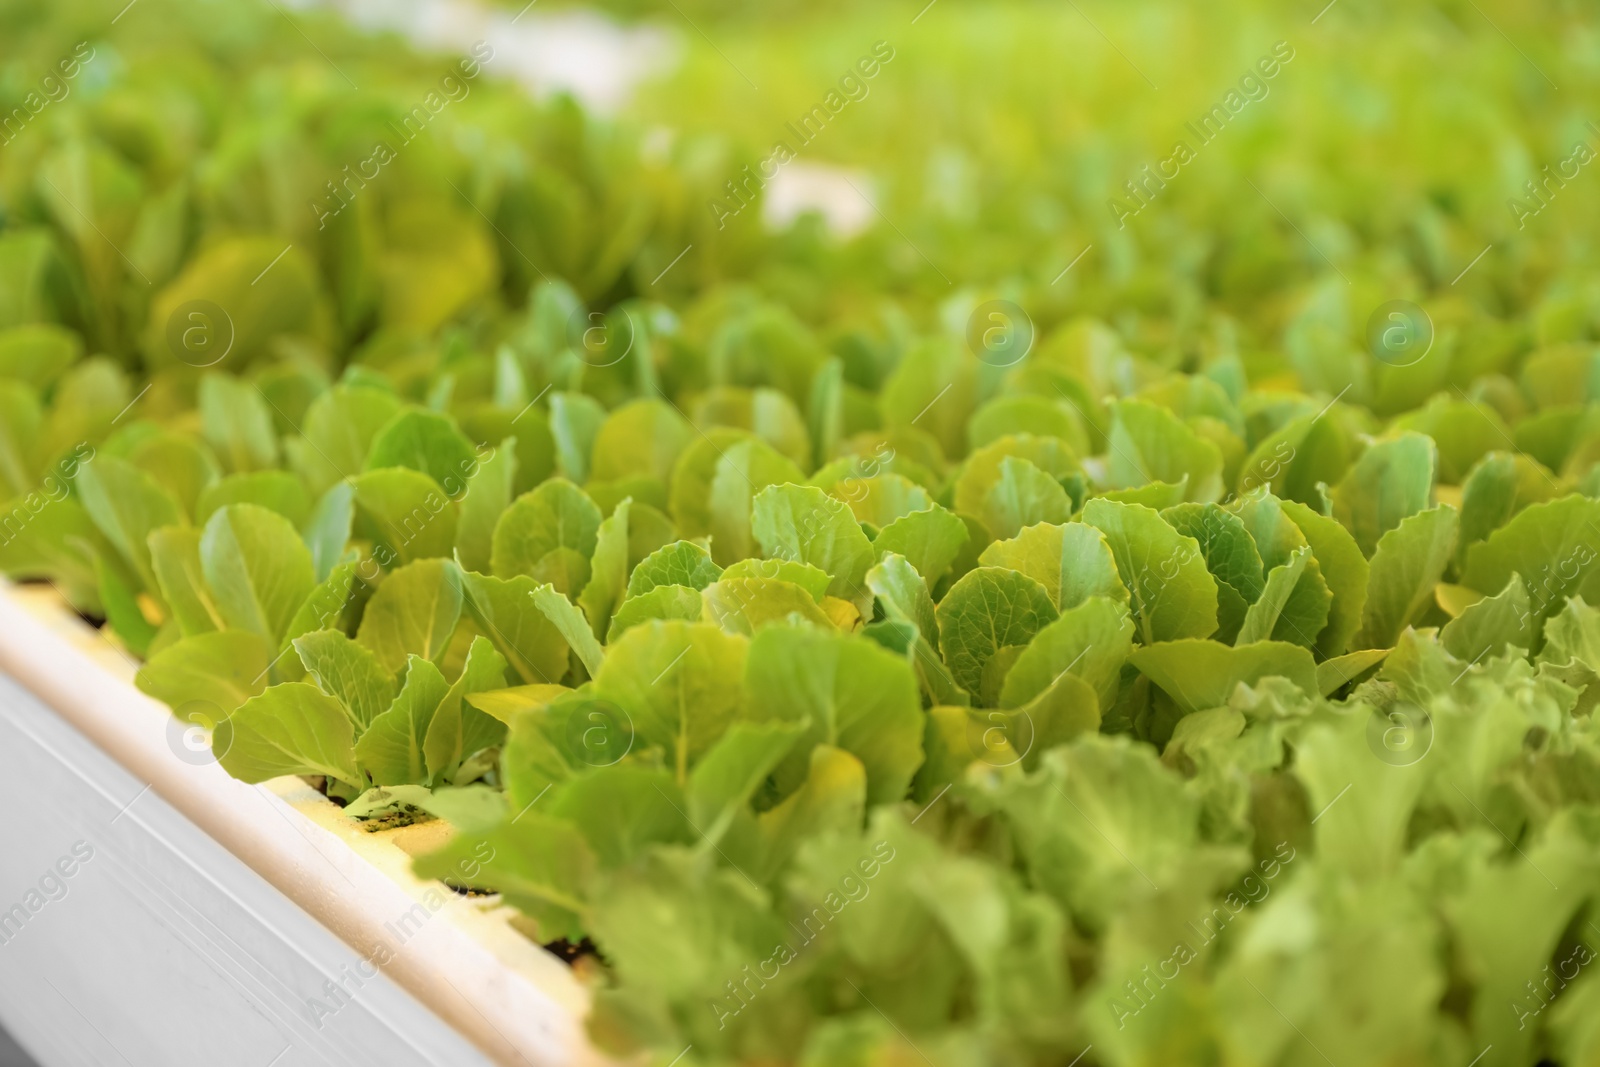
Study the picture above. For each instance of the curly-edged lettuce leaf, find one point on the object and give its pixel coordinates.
(931, 539)
(1410, 560)
(988, 611)
(348, 672)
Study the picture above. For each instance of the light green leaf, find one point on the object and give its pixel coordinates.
(1390, 481)
(210, 673)
(127, 505)
(1091, 640)
(680, 563)
(488, 494)
(175, 558)
(349, 673)
(457, 729)
(405, 514)
(662, 602)
(258, 569)
(505, 612)
(1200, 674)
(679, 684)
(428, 442)
(293, 728)
(801, 522)
(1409, 562)
(848, 692)
(989, 609)
(572, 626)
(1170, 592)
(929, 539)
(1073, 562)
(391, 749)
(414, 612)
(556, 515)
(1149, 443)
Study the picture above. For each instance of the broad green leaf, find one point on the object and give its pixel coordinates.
(338, 431)
(1149, 443)
(1170, 592)
(293, 728)
(803, 523)
(428, 442)
(731, 772)
(405, 514)
(572, 626)
(623, 810)
(1073, 562)
(488, 494)
(1553, 545)
(127, 505)
(504, 612)
(391, 749)
(813, 580)
(929, 539)
(278, 491)
(1500, 486)
(175, 558)
(609, 569)
(642, 437)
(236, 420)
(209, 673)
(1344, 569)
(540, 865)
(662, 602)
(1022, 495)
(743, 605)
(1390, 481)
(258, 569)
(1293, 605)
(882, 498)
(457, 729)
(1488, 626)
(327, 530)
(680, 563)
(905, 596)
(743, 469)
(905, 639)
(182, 465)
(983, 469)
(554, 516)
(414, 612)
(348, 672)
(848, 692)
(1409, 562)
(1091, 640)
(1200, 674)
(679, 684)
(987, 610)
